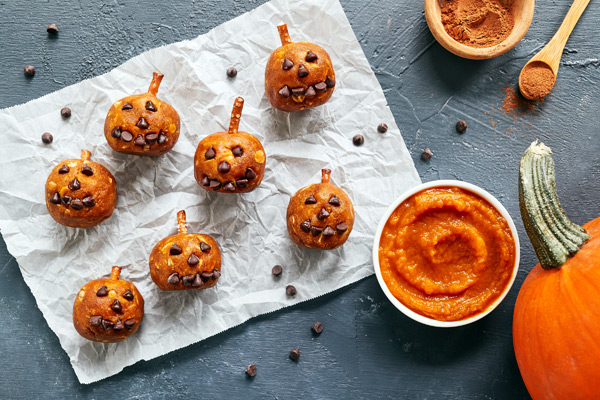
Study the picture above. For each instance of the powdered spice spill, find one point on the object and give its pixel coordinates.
(537, 80)
(478, 23)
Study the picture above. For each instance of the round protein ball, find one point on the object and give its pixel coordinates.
(185, 260)
(230, 162)
(80, 193)
(299, 75)
(142, 124)
(108, 310)
(320, 216)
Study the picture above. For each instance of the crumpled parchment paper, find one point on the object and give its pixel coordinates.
(250, 228)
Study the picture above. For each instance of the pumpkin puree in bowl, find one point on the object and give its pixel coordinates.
(446, 253)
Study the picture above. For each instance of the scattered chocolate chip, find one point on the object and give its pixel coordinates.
(426, 154)
(287, 64)
(197, 281)
(129, 323)
(128, 295)
(210, 153)
(323, 214)
(127, 106)
(250, 174)
(151, 138)
(334, 201)
(302, 71)
(358, 140)
(75, 185)
(341, 227)
(29, 70)
(316, 230)
(63, 170)
(47, 137)
(175, 250)
(119, 326)
(216, 274)
(311, 57)
(294, 354)
(205, 181)
(321, 87)
(95, 320)
(89, 201)
(461, 126)
(87, 170)
(188, 279)
(237, 151)
(305, 226)
(224, 167)
(310, 92)
(116, 133)
(299, 91)
(206, 275)
(103, 291)
(162, 138)
(77, 204)
(52, 29)
(290, 290)
(277, 270)
(139, 140)
(193, 259)
(382, 128)
(142, 123)
(204, 247)
(328, 231)
(243, 183)
(310, 200)
(251, 370)
(317, 327)
(285, 91)
(107, 324)
(55, 198)
(127, 136)
(173, 279)
(150, 106)
(231, 72)
(116, 306)
(65, 112)
(329, 82)
(215, 184)
(66, 200)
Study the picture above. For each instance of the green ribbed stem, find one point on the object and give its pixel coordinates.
(554, 237)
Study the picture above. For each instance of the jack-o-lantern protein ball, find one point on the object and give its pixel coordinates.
(142, 124)
(108, 310)
(230, 162)
(320, 216)
(80, 193)
(185, 260)
(299, 75)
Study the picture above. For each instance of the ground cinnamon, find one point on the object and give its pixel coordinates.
(478, 23)
(537, 80)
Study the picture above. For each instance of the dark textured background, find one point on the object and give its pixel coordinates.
(368, 348)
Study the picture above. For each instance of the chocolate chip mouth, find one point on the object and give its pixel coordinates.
(194, 280)
(141, 140)
(242, 182)
(299, 94)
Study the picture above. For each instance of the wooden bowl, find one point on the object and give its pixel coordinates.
(523, 14)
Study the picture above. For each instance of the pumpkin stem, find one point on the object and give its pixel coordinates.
(283, 34)
(325, 172)
(85, 155)
(181, 222)
(554, 237)
(236, 114)
(115, 272)
(156, 79)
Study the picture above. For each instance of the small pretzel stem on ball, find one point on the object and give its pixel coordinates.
(283, 34)
(85, 155)
(115, 272)
(236, 114)
(325, 175)
(156, 79)
(181, 222)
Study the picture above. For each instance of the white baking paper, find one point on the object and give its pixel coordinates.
(250, 228)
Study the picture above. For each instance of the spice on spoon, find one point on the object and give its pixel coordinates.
(537, 80)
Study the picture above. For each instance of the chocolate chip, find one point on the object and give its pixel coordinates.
(142, 123)
(128, 295)
(216, 274)
(188, 279)
(107, 324)
(151, 138)
(129, 323)
(77, 204)
(89, 201)
(317, 327)
(150, 106)
(311, 57)
(197, 281)
(204, 247)
(102, 292)
(250, 174)
(173, 279)
(215, 184)
(127, 106)
(328, 231)
(162, 138)
(426, 154)
(116, 133)
(175, 250)
(66, 200)
(294, 354)
(224, 167)
(119, 326)
(65, 112)
(310, 200)
(116, 306)
(231, 72)
(95, 320)
(299, 91)
(305, 226)
(316, 230)
(287, 64)
(323, 214)
(206, 275)
(237, 151)
(310, 92)
(87, 170)
(285, 91)
(63, 170)
(193, 259)
(334, 201)
(75, 185)
(210, 153)
(277, 270)
(358, 140)
(47, 137)
(302, 71)
(52, 29)
(55, 198)
(329, 82)
(29, 70)
(461, 126)
(251, 370)
(243, 183)
(321, 87)
(139, 140)
(205, 181)
(290, 290)
(382, 128)
(127, 136)
(341, 227)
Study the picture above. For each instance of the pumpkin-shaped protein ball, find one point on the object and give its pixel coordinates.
(185, 260)
(80, 193)
(230, 162)
(108, 310)
(142, 124)
(299, 75)
(320, 216)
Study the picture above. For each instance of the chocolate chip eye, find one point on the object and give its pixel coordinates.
(128, 295)
(302, 71)
(175, 250)
(287, 64)
(210, 153)
(127, 106)
(103, 291)
(204, 247)
(142, 123)
(310, 200)
(63, 170)
(87, 170)
(150, 106)
(311, 57)
(224, 167)
(334, 201)
(237, 151)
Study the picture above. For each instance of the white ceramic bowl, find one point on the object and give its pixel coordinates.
(444, 183)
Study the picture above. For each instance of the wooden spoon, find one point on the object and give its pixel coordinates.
(538, 76)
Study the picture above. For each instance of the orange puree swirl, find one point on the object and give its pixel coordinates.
(446, 253)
